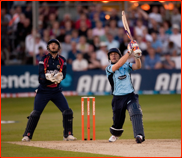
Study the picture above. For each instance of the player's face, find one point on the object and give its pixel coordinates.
(53, 47)
(114, 57)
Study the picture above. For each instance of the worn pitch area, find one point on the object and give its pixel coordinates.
(122, 147)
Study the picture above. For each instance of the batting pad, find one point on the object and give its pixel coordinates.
(137, 124)
(135, 113)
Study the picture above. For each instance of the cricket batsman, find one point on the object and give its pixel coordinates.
(124, 98)
(52, 70)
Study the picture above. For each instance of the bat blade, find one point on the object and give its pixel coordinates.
(126, 27)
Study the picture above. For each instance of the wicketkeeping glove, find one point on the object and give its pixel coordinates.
(50, 77)
(58, 77)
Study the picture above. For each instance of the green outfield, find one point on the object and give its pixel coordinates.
(161, 117)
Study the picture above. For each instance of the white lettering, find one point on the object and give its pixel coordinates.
(136, 80)
(175, 82)
(34, 81)
(162, 82)
(24, 80)
(84, 83)
(3, 82)
(108, 86)
(12, 79)
(99, 83)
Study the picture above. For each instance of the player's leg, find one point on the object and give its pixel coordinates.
(39, 104)
(118, 119)
(60, 101)
(136, 115)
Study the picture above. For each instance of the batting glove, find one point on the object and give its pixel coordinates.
(58, 77)
(131, 45)
(137, 52)
(50, 77)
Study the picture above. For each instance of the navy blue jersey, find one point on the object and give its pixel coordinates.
(49, 64)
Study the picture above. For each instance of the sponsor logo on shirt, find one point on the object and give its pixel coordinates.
(41, 62)
(122, 77)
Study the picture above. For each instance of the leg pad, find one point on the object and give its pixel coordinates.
(135, 113)
(67, 122)
(32, 123)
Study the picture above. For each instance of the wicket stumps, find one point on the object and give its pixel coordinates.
(88, 116)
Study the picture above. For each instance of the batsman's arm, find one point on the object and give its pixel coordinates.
(137, 65)
(137, 55)
(121, 62)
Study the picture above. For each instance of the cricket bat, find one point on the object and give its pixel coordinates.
(126, 27)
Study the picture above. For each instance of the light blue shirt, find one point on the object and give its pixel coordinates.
(120, 80)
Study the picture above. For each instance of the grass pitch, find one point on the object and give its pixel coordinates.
(161, 118)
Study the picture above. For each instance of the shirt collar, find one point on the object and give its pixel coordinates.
(52, 56)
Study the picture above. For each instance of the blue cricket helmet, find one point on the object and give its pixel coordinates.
(116, 50)
(53, 41)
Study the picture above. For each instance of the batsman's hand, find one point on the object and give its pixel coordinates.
(131, 45)
(134, 48)
(58, 77)
(137, 52)
(50, 77)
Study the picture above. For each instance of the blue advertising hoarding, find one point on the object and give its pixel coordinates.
(17, 79)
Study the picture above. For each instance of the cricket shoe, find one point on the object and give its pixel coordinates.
(70, 138)
(139, 138)
(113, 138)
(25, 139)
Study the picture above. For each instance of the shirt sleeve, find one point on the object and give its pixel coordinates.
(109, 69)
(130, 66)
(42, 78)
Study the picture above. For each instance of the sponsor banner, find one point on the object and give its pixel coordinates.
(24, 79)
(19, 79)
(144, 82)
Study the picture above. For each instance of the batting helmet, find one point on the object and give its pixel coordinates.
(53, 41)
(115, 50)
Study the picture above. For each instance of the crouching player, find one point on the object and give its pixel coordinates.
(118, 74)
(52, 70)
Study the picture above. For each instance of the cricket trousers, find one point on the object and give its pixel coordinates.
(119, 106)
(41, 100)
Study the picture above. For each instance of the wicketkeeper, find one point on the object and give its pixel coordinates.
(52, 70)
(124, 98)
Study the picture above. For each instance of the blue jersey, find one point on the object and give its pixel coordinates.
(120, 80)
